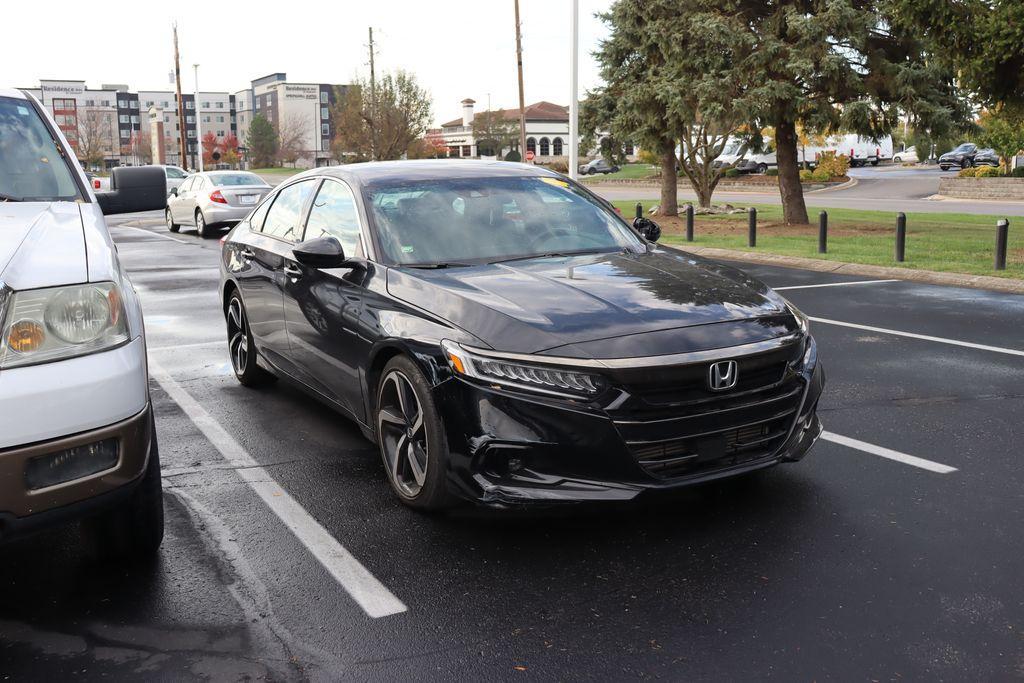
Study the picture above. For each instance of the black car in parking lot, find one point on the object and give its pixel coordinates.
(505, 337)
(986, 157)
(961, 157)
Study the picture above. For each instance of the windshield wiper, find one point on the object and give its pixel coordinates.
(437, 266)
(554, 254)
(8, 198)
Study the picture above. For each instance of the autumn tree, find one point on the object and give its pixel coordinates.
(379, 121)
(292, 133)
(210, 145)
(262, 142)
(229, 150)
(95, 137)
(1002, 129)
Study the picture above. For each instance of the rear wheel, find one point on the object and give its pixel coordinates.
(202, 229)
(966, 163)
(761, 169)
(171, 225)
(241, 347)
(411, 437)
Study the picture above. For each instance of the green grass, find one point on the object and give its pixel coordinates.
(277, 171)
(628, 171)
(951, 242)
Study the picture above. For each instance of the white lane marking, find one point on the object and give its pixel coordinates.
(151, 232)
(834, 284)
(882, 452)
(375, 599)
(193, 345)
(925, 337)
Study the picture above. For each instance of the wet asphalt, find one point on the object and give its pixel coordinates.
(845, 566)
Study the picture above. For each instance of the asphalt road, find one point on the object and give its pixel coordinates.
(857, 563)
(882, 188)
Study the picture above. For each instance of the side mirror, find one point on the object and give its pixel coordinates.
(647, 228)
(139, 188)
(173, 191)
(321, 252)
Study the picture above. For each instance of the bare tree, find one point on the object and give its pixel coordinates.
(291, 135)
(95, 137)
(700, 145)
(380, 122)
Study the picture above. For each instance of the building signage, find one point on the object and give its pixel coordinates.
(64, 88)
(302, 92)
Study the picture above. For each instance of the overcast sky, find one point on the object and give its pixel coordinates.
(456, 49)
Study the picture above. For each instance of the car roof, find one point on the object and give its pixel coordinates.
(11, 92)
(388, 172)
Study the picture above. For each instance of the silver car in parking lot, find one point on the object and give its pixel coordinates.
(209, 200)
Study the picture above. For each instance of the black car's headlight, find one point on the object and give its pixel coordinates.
(801, 319)
(527, 376)
(43, 325)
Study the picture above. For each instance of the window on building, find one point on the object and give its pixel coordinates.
(453, 151)
(220, 119)
(135, 118)
(133, 104)
(206, 118)
(126, 133)
(123, 104)
(191, 134)
(106, 103)
(545, 147)
(324, 112)
(90, 103)
(556, 147)
(190, 105)
(531, 145)
(325, 129)
(325, 144)
(220, 133)
(164, 104)
(190, 119)
(257, 103)
(206, 105)
(323, 97)
(124, 118)
(467, 150)
(220, 105)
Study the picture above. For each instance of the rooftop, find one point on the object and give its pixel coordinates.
(538, 111)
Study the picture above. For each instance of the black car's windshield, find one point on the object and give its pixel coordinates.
(966, 147)
(31, 166)
(229, 179)
(483, 220)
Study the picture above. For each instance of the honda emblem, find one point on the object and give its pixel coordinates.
(723, 375)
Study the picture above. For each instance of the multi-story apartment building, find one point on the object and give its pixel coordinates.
(301, 111)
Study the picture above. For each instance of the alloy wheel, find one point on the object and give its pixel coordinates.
(402, 433)
(200, 224)
(238, 336)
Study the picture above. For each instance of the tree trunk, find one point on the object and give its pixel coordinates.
(669, 205)
(794, 211)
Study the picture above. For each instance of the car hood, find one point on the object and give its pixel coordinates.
(600, 305)
(42, 244)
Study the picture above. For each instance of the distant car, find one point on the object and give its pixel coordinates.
(909, 155)
(598, 165)
(961, 157)
(77, 439)
(986, 157)
(175, 176)
(736, 155)
(209, 200)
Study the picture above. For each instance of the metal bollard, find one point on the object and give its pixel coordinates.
(639, 210)
(1002, 237)
(752, 227)
(823, 232)
(901, 236)
(689, 222)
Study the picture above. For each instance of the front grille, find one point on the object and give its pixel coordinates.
(679, 428)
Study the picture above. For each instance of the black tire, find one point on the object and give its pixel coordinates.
(431, 493)
(966, 163)
(761, 169)
(241, 347)
(615, 169)
(897, 159)
(202, 229)
(171, 225)
(874, 162)
(134, 529)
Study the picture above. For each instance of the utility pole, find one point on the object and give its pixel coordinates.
(183, 132)
(522, 100)
(199, 125)
(373, 103)
(574, 105)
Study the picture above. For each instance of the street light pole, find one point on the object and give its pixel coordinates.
(574, 105)
(199, 125)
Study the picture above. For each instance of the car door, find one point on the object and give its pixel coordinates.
(188, 199)
(272, 232)
(174, 201)
(323, 306)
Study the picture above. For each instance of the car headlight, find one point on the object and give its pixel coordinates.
(50, 324)
(801, 319)
(540, 378)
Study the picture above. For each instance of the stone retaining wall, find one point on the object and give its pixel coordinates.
(982, 188)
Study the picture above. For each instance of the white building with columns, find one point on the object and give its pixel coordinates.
(547, 130)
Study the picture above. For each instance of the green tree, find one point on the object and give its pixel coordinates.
(262, 142)
(1002, 129)
(494, 132)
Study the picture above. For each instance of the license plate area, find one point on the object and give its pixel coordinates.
(247, 199)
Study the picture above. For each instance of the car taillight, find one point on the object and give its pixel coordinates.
(223, 240)
(851, 152)
(878, 152)
(95, 184)
(216, 196)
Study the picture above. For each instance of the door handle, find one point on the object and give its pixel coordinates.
(292, 271)
(248, 253)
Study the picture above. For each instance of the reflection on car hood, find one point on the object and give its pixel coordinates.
(529, 306)
(41, 244)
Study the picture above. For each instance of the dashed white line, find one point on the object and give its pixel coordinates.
(925, 337)
(883, 452)
(369, 593)
(834, 284)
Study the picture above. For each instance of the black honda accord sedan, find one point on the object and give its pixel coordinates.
(506, 337)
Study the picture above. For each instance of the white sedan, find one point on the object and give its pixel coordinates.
(77, 439)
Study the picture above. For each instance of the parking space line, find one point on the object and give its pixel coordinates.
(375, 599)
(192, 345)
(883, 452)
(925, 337)
(834, 284)
(150, 232)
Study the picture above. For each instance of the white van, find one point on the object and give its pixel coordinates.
(860, 150)
(745, 161)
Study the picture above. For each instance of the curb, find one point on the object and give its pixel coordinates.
(930, 277)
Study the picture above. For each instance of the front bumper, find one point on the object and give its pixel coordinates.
(23, 510)
(511, 449)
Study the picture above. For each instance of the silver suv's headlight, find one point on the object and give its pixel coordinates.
(539, 378)
(50, 324)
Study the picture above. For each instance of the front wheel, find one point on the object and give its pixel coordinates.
(411, 437)
(966, 163)
(241, 346)
(761, 169)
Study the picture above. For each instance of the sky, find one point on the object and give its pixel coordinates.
(455, 49)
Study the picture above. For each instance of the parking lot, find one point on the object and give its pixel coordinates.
(892, 552)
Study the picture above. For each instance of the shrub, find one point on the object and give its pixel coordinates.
(1018, 172)
(646, 156)
(772, 172)
(820, 175)
(559, 166)
(835, 166)
(731, 173)
(967, 173)
(806, 175)
(988, 172)
(513, 155)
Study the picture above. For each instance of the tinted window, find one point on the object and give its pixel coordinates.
(31, 166)
(334, 214)
(187, 185)
(229, 179)
(259, 214)
(283, 218)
